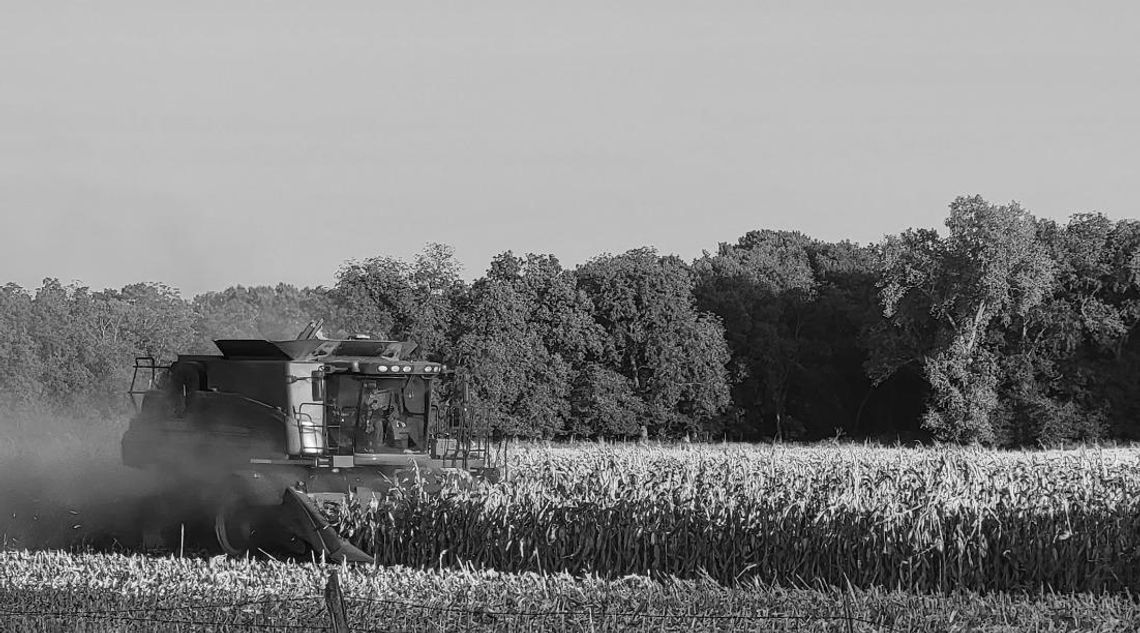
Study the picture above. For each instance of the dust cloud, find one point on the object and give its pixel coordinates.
(63, 485)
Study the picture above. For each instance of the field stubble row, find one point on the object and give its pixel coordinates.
(53, 591)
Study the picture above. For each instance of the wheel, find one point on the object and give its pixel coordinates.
(235, 527)
(242, 530)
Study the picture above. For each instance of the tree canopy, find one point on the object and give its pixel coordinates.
(1000, 328)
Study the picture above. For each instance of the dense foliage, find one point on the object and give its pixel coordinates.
(1003, 329)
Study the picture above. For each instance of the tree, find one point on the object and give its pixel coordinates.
(946, 297)
(759, 287)
(151, 319)
(501, 353)
(59, 326)
(71, 351)
(673, 355)
(525, 331)
(561, 312)
(142, 319)
(603, 403)
(409, 301)
(793, 309)
(267, 312)
(20, 372)
(1068, 374)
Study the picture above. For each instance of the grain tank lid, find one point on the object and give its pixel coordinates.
(311, 349)
(394, 350)
(256, 349)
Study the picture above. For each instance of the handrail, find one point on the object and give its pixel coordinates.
(325, 429)
(144, 363)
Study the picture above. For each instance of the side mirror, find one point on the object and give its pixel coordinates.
(318, 381)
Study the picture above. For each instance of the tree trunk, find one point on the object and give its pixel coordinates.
(977, 325)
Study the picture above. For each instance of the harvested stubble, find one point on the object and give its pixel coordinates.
(48, 591)
(922, 520)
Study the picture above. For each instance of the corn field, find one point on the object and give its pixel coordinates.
(916, 519)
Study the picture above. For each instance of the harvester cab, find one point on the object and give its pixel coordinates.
(263, 434)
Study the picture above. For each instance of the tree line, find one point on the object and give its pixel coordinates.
(1002, 329)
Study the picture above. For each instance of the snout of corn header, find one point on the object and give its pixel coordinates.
(312, 526)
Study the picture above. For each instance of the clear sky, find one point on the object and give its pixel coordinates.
(208, 144)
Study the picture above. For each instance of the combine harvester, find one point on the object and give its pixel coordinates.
(259, 437)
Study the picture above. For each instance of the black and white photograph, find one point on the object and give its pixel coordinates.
(534, 317)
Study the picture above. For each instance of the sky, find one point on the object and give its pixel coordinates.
(206, 144)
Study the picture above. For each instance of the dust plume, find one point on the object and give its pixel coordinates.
(63, 485)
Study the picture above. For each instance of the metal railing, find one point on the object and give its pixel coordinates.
(144, 364)
(468, 428)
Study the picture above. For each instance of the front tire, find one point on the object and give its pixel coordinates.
(235, 528)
